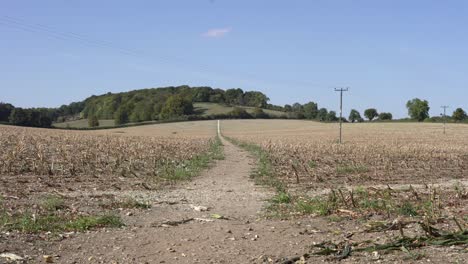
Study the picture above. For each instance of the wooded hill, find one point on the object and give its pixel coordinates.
(137, 106)
(164, 103)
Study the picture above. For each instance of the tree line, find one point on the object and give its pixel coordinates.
(175, 102)
(134, 106)
(34, 117)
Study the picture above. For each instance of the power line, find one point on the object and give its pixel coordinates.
(341, 90)
(23, 25)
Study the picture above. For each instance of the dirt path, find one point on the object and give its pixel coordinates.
(227, 191)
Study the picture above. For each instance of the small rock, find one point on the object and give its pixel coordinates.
(199, 208)
(48, 259)
(129, 213)
(375, 255)
(11, 256)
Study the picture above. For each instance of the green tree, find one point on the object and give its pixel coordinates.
(418, 109)
(310, 110)
(30, 117)
(5, 111)
(298, 111)
(355, 116)
(331, 116)
(202, 94)
(93, 121)
(217, 96)
(459, 115)
(121, 116)
(371, 113)
(141, 112)
(255, 99)
(176, 106)
(234, 96)
(19, 117)
(157, 108)
(385, 116)
(322, 114)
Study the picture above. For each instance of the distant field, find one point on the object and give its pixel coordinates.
(204, 109)
(84, 123)
(207, 109)
(193, 129)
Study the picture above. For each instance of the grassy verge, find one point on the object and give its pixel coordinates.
(264, 173)
(191, 168)
(52, 215)
(31, 223)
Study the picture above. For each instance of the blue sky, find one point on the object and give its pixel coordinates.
(387, 52)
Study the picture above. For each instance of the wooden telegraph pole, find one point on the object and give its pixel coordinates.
(341, 90)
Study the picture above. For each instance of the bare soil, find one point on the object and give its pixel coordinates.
(177, 229)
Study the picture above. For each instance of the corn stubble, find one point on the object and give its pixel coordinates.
(308, 153)
(27, 151)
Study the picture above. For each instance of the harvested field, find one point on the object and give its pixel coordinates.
(390, 188)
(308, 153)
(392, 193)
(54, 182)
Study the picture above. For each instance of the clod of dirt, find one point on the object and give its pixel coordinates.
(199, 208)
(48, 259)
(11, 257)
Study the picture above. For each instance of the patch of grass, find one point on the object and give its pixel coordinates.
(53, 203)
(360, 202)
(190, 168)
(264, 173)
(318, 206)
(351, 169)
(208, 109)
(312, 164)
(30, 223)
(281, 198)
(407, 209)
(84, 223)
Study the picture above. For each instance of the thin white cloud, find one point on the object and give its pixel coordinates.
(216, 32)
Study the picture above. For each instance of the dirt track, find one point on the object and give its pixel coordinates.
(227, 191)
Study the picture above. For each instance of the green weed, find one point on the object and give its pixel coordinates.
(30, 223)
(281, 198)
(53, 203)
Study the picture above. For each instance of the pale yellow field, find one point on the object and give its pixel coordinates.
(195, 129)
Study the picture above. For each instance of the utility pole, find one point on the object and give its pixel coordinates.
(445, 115)
(341, 90)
